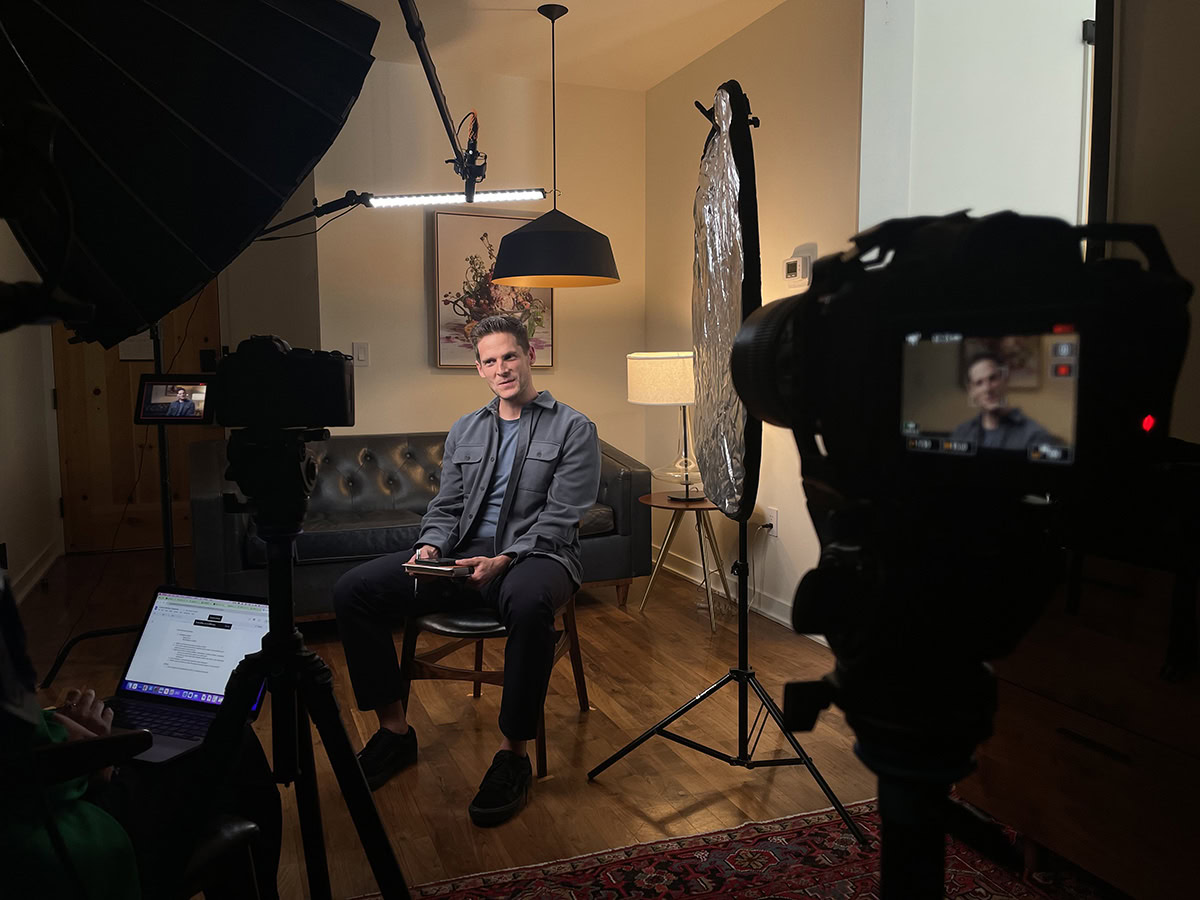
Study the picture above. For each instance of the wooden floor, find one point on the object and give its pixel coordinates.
(640, 667)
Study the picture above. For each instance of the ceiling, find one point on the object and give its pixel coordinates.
(626, 44)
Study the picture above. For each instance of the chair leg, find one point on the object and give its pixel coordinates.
(540, 743)
(622, 593)
(576, 654)
(478, 690)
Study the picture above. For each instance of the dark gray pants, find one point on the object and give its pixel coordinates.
(373, 598)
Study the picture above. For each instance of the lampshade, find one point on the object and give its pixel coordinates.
(661, 378)
(555, 250)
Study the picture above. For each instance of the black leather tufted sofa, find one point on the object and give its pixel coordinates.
(370, 494)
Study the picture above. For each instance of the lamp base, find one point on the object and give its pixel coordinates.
(693, 496)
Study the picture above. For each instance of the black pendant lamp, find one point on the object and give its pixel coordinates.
(554, 250)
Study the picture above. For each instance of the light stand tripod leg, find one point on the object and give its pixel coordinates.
(658, 729)
(777, 715)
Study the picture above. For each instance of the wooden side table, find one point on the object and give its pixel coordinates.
(704, 532)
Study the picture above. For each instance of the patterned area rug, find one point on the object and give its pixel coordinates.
(805, 856)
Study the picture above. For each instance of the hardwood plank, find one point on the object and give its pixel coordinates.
(639, 668)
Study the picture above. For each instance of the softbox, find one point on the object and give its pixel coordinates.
(145, 143)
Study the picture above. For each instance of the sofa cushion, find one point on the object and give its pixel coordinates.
(350, 535)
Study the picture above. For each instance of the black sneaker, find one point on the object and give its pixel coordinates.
(503, 790)
(386, 754)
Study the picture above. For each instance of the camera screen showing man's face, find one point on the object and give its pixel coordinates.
(1015, 394)
(172, 401)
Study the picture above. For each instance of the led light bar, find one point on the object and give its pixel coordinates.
(438, 199)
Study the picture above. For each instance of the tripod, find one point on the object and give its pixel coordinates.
(746, 680)
(276, 472)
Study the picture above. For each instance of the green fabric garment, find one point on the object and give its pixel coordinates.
(99, 851)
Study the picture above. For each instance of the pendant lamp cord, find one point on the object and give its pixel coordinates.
(553, 113)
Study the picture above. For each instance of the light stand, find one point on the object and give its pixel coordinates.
(746, 680)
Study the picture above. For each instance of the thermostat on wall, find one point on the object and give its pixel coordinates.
(797, 268)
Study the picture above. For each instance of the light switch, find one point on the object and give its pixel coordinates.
(361, 352)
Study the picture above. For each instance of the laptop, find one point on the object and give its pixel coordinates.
(176, 676)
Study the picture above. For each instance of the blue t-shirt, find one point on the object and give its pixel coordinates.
(489, 513)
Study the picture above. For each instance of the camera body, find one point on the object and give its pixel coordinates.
(962, 392)
(267, 384)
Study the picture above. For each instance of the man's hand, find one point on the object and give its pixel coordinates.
(425, 551)
(486, 568)
(84, 710)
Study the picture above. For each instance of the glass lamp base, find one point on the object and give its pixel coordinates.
(685, 476)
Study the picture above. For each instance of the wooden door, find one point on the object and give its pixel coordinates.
(109, 465)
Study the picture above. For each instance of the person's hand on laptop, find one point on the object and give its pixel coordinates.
(83, 715)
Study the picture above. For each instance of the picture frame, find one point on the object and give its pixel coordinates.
(465, 246)
(1021, 353)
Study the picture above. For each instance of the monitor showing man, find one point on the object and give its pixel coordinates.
(182, 405)
(998, 425)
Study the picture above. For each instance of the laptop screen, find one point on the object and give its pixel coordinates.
(191, 643)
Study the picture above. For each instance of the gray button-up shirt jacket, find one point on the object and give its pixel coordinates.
(554, 480)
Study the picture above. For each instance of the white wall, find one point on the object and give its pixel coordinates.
(995, 92)
(801, 67)
(29, 477)
(375, 283)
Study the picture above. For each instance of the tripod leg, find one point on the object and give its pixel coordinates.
(308, 805)
(650, 732)
(777, 715)
(662, 553)
(316, 685)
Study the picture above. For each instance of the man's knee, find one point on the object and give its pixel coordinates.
(531, 606)
(349, 594)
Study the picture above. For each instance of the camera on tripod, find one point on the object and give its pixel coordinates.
(962, 392)
(268, 384)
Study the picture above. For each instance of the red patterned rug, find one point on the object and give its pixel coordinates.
(806, 856)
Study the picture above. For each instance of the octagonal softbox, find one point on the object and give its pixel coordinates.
(146, 143)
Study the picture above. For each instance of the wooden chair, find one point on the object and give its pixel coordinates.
(474, 627)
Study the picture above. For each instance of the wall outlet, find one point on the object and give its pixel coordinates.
(361, 353)
(772, 519)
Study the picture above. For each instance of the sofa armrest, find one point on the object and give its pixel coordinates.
(216, 535)
(622, 480)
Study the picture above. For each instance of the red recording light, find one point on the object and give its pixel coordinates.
(1063, 329)
(1148, 423)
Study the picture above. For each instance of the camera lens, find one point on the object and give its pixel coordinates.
(763, 361)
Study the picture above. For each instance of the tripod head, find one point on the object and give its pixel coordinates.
(276, 472)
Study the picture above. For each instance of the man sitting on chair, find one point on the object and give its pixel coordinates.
(517, 476)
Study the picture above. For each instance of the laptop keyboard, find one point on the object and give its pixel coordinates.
(179, 723)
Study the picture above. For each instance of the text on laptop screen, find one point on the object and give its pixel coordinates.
(190, 645)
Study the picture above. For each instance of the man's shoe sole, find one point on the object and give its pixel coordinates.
(489, 818)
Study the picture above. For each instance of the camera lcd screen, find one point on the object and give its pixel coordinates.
(173, 400)
(1014, 394)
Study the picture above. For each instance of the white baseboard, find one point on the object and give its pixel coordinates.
(762, 603)
(23, 582)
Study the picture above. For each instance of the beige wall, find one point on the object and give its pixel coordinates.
(29, 478)
(271, 288)
(801, 66)
(1157, 159)
(375, 264)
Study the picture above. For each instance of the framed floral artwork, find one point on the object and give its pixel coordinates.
(464, 256)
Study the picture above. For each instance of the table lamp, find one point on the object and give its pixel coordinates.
(664, 378)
